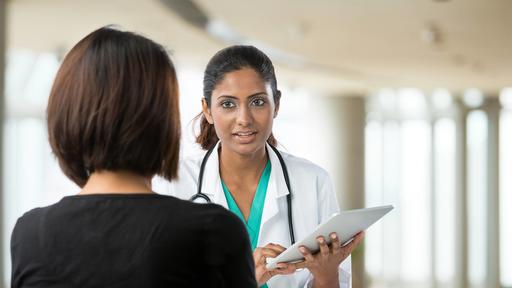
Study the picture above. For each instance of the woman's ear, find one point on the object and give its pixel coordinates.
(206, 111)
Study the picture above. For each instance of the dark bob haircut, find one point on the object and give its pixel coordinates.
(114, 106)
(227, 60)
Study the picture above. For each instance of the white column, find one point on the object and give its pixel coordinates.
(343, 124)
(347, 117)
(461, 201)
(492, 108)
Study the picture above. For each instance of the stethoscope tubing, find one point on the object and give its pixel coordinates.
(205, 199)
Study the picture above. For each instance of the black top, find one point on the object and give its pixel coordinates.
(143, 240)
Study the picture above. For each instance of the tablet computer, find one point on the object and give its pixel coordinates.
(346, 224)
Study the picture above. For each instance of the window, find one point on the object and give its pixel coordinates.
(444, 175)
(411, 163)
(506, 189)
(477, 196)
(398, 159)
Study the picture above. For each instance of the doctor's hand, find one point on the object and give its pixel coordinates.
(269, 251)
(324, 264)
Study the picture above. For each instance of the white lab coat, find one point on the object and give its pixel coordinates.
(313, 202)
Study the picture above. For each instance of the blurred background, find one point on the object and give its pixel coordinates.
(404, 102)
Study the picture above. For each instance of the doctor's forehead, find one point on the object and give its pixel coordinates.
(241, 83)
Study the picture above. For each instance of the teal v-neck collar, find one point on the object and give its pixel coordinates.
(253, 223)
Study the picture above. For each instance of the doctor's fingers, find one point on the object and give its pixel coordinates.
(261, 253)
(257, 254)
(335, 243)
(347, 249)
(324, 249)
(300, 265)
(307, 254)
(276, 247)
(269, 252)
(284, 269)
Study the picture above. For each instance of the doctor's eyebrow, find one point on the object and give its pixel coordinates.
(250, 96)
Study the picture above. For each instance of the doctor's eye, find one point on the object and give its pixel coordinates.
(258, 102)
(227, 104)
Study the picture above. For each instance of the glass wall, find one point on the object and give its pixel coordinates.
(506, 188)
(411, 153)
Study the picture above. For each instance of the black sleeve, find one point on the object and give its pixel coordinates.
(25, 257)
(16, 255)
(228, 248)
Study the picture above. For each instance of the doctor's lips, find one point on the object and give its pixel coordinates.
(244, 133)
(245, 137)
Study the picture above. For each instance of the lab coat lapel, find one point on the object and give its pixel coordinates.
(212, 183)
(275, 190)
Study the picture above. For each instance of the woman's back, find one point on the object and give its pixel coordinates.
(113, 123)
(153, 241)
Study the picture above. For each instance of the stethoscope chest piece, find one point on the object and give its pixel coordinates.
(200, 198)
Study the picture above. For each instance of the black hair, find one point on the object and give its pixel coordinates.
(227, 60)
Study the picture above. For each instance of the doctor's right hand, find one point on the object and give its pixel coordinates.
(269, 251)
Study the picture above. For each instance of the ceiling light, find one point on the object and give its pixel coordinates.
(431, 35)
(473, 98)
(506, 97)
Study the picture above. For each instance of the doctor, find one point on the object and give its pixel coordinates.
(243, 172)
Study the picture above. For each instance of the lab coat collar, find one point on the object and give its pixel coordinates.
(212, 185)
(276, 188)
(276, 176)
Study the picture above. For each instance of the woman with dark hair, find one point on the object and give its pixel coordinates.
(113, 123)
(243, 171)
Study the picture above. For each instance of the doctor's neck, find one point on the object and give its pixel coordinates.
(233, 163)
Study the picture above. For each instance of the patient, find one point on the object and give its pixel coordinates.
(113, 123)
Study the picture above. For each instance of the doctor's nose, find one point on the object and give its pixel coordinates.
(244, 117)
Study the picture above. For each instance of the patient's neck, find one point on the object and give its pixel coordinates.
(117, 182)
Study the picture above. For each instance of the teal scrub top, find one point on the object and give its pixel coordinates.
(253, 223)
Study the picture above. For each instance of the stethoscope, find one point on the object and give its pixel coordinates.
(203, 198)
